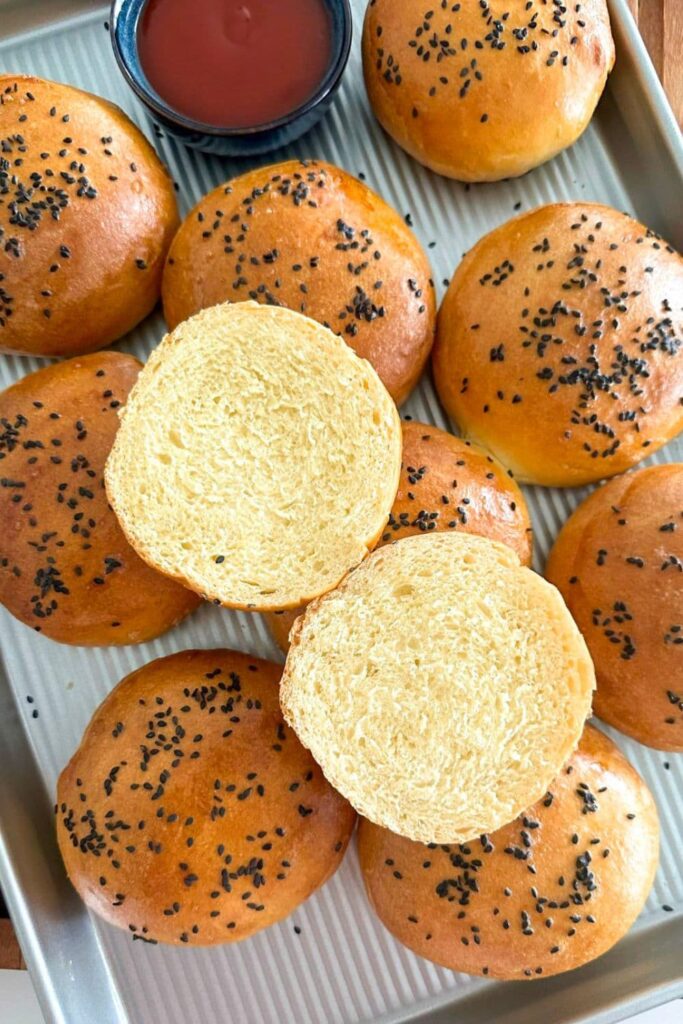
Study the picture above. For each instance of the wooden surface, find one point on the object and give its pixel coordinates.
(10, 954)
(661, 26)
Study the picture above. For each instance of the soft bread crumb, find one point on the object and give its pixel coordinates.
(441, 687)
(257, 458)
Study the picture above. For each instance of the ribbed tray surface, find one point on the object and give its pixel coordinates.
(343, 967)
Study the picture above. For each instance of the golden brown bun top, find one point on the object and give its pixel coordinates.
(66, 569)
(549, 892)
(87, 212)
(191, 813)
(309, 236)
(619, 565)
(559, 343)
(482, 90)
(446, 484)
(451, 484)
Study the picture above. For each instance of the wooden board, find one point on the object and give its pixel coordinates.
(661, 26)
(10, 954)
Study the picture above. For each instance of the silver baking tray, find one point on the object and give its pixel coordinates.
(343, 967)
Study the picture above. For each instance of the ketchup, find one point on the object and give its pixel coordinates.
(235, 63)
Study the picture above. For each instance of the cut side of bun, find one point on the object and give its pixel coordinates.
(257, 459)
(441, 687)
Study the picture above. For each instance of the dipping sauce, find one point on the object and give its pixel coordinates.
(235, 63)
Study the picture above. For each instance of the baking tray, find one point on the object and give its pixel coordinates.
(343, 966)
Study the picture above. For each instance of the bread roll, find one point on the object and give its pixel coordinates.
(307, 235)
(552, 890)
(257, 457)
(619, 565)
(190, 813)
(87, 213)
(441, 687)
(557, 344)
(478, 91)
(446, 484)
(66, 568)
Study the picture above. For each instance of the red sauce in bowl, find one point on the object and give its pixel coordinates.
(235, 63)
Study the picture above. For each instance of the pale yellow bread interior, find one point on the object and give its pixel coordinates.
(257, 458)
(441, 687)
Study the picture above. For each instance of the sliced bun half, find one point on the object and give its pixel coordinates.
(441, 687)
(257, 459)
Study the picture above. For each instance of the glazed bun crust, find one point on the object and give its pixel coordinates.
(619, 565)
(191, 813)
(446, 484)
(483, 90)
(86, 219)
(309, 236)
(557, 344)
(66, 568)
(593, 844)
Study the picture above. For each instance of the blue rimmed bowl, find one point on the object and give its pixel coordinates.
(123, 27)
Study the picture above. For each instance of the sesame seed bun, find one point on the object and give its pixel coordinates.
(549, 892)
(479, 91)
(86, 216)
(66, 568)
(309, 236)
(257, 458)
(558, 346)
(619, 565)
(441, 686)
(190, 813)
(446, 484)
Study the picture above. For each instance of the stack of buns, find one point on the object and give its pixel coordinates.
(434, 684)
